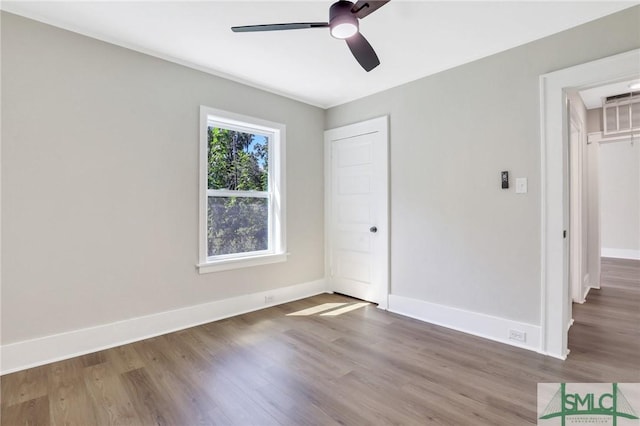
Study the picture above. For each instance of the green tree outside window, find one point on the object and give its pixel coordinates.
(237, 161)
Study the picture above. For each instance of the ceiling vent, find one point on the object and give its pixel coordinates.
(621, 96)
(621, 113)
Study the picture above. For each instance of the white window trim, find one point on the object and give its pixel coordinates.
(277, 238)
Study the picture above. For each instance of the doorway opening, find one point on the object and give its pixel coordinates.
(604, 210)
(555, 87)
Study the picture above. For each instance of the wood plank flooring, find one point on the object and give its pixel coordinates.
(610, 318)
(365, 366)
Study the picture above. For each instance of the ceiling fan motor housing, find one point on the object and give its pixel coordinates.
(342, 21)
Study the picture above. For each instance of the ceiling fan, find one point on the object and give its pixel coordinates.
(343, 24)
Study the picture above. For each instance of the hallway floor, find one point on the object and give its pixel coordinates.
(610, 318)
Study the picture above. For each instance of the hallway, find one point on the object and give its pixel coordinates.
(610, 319)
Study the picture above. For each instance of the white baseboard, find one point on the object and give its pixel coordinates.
(620, 253)
(481, 325)
(31, 353)
(585, 294)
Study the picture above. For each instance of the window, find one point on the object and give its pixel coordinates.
(242, 214)
(621, 113)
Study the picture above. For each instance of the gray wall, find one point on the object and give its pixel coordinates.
(100, 183)
(457, 238)
(594, 120)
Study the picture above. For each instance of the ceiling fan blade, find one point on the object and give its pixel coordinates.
(279, 27)
(363, 8)
(363, 52)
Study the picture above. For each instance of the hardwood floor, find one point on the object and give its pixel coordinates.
(365, 366)
(610, 318)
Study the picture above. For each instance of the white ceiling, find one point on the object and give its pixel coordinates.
(412, 39)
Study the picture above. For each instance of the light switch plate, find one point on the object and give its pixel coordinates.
(521, 185)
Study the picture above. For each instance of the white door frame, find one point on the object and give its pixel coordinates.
(380, 124)
(553, 138)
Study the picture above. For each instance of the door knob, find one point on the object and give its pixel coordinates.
(373, 229)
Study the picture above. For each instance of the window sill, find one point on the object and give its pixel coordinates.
(245, 262)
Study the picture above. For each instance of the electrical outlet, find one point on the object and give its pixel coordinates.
(268, 299)
(517, 335)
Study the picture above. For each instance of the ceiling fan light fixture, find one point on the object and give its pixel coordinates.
(344, 30)
(342, 22)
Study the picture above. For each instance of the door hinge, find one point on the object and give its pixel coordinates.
(564, 234)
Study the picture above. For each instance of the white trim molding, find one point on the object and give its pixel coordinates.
(600, 138)
(243, 262)
(553, 144)
(474, 323)
(32, 353)
(620, 253)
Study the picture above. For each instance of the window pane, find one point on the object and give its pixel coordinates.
(611, 119)
(635, 115)
(237, 225)
(237, 160)
(623, 117)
